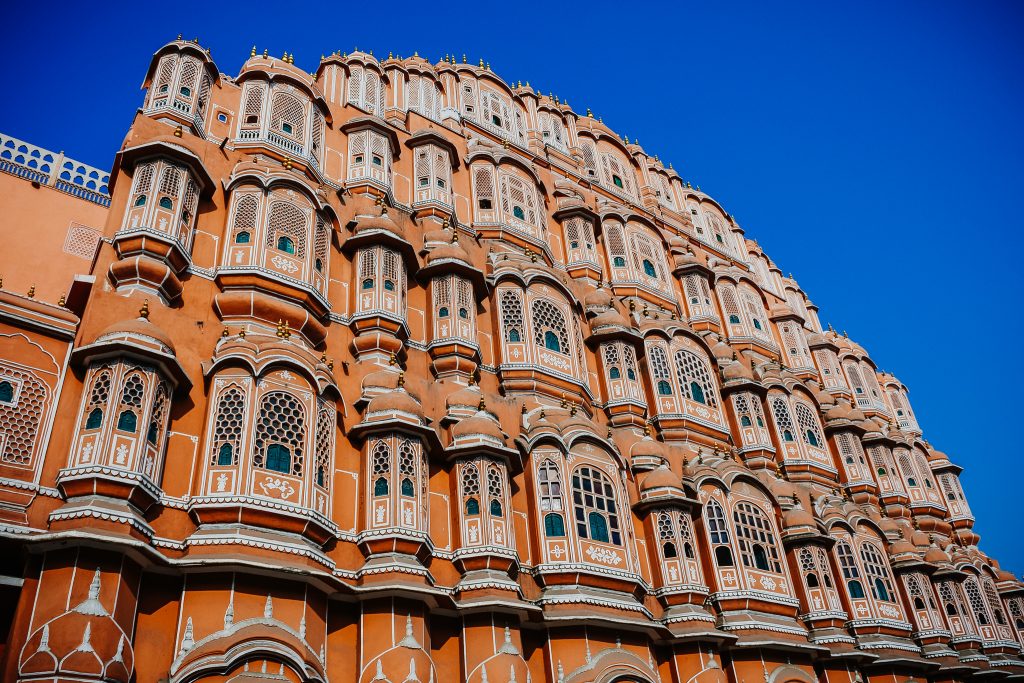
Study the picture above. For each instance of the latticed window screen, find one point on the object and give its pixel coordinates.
(154, 434)
(252, 105)
(483, 187)
(717, 524)
(646, 251)
(695, 379)
(324, 445)
(852, 454)
(512, 314)
(288, 220)
(288, 116)
(597, 517)
(977, 602)
(495, 490)
(847, 563)
(380, 468)
(229, 423)
(952, 605)
(162, 82)
(614, 169)
(756, 538)
(247, 209)
(322, 243)
(548, 319)
(188, 80)
(170, 182)
(20, 420)
(727, 295)
(549, 483)
(142, 186)
(995, 604)
(470, 482)
(755, 309)
(783, 418)
(589, 157)
(579, 234)
(810, 430)
(658, 361)
(281, 422)
(98, 397)
(616, 243)
(365, 90)
(744, 412)
(877, 572)
(424, 96)
(519, 202)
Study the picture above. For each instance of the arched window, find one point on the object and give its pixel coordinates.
(131, 403)
(280, 433)
(756, 538)
(286, 245)
(597, 516)
(664, 388)
(512, 314)
(242, 238)
(554, 525)
(287, 115)
(649, 269)
(783, 418)
(976, 601)
(851, 574)
(550, 328)
(718, 532)
(695, 379)
(407, 467)
(472, 507)
(495, 490)
(97, 401)
(808, 424)
(165, 203)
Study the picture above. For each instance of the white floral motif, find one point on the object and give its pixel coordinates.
(280, 485)
(284, 264)
(122, 454)
(768, 582)
(87, 453)
(604, 555)
(222, 482)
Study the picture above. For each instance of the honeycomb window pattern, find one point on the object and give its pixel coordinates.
(281, 422)
(19, 423)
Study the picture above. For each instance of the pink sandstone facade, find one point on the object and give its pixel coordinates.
(399, 372)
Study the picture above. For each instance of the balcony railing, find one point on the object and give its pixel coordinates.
(281, 142)
(54, 169)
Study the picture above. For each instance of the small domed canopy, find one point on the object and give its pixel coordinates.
(377, 227)
(136, 338)
(660, 478)
(798, 518)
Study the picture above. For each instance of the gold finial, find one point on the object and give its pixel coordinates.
(280, 328)
(415, 53)
(645, 312)
(252, 52)
(241, 333)
(224, 333)
(391, 55)
(392, 359)
(572, 410)
(266, 53)
(62, 300)
(632, 306)
(330, 364)
(533, 256)
(463, 57)
(401, 380)
(522, 409)
(527, 84)
(178, 132)
(481, 63)
(542, 414)
(565, 403)
(323, 357)
(144, 311)
(482, 405)
(609, 435)
(647, 429)
(590, 114)
(287, 163)
(179, 37)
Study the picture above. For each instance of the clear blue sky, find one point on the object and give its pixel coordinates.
(875, 149)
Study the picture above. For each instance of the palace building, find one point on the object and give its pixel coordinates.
(399, 372)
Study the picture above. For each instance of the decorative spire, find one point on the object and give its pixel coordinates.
(144, 310)
(62, 300)
(409, 640)
(32, 292)
(268, 608)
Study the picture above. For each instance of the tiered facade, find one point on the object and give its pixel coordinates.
(398, 372)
